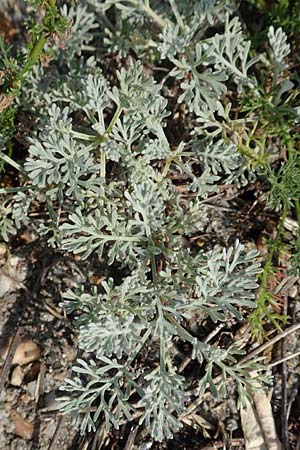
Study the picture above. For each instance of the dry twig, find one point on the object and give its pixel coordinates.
(272, 341)
(281, 360)
(9, 358)
(284, 375)
(131, 438)
(55, 436)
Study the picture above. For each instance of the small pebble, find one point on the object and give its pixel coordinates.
(3, 250)
(31, 387)
(17, 376)
(293, 292)
(7, 284)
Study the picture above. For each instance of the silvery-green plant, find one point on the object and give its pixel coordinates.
(102, 161)
(149, 309)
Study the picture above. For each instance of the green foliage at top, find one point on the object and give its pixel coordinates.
(15, 65)
(282, 13)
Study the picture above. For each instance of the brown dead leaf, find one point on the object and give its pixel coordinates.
(27, 351)
(32, 372)
(6, 28)
(5, 101)
(96, 279)
(26, 237)
(23, 428)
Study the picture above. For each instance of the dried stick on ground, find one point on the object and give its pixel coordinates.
(272, 341)
(284, 375)
(131, 438)
(55, 436)
(8, 360)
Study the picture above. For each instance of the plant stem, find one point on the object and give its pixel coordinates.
(111, 237)
(82, 136)
(138, 348)
(13, 163)
(114, 119)
(149, 11)
(263, 295)
(102, 164)
(297, 209)
(167, 167)
(176, 14)
(36, 51)
(17, 189)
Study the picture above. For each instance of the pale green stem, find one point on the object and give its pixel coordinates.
(161, 318)
(113, 121)
(148, 231)
(82, 136)
(17, 189)
(167, 167)
(51, 213)
(110, 237)
(185, 169)
(162, 352)
(13, 163)
(149, 11)
(174, 158)
(32, 58)
(36, 50)
(139, 347)
(117, 114)
(102, 164)
(176, 14)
